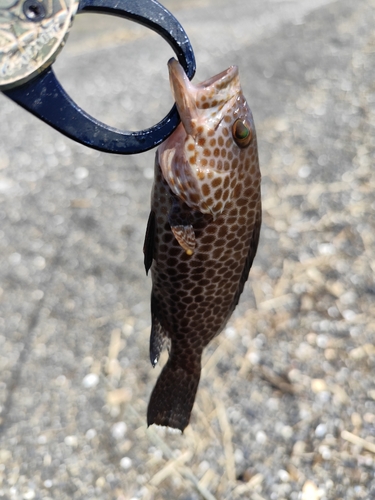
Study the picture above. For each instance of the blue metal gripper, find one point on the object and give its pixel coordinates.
(44, 97)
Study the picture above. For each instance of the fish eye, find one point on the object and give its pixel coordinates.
(242, 133)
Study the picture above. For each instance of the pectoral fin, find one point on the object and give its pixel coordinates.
(180, 220)
(185, 236)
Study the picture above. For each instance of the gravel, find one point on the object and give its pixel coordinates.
(286, 403)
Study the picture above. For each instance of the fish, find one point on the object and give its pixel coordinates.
(202, 233)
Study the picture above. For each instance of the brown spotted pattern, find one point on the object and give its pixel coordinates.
(203, 170)
(195, 292)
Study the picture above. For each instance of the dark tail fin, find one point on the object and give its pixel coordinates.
(173, 396)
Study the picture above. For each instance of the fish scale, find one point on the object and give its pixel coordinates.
(202, 233)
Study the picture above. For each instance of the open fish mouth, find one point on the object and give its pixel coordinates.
(195, 101)
(221, 80)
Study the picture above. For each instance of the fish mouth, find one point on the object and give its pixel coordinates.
(194, 102)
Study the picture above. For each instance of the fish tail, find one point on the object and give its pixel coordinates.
(173, 396)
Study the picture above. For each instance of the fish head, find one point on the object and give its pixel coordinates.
(202, 106)
(203, 161)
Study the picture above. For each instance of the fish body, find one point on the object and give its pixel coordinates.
(202, 233)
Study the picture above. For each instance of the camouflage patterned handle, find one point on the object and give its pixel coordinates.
(32, 32)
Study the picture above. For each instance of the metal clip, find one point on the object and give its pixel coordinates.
(32, 32)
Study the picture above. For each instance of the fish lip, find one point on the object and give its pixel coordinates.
(186, 94)
(177, 74)
(183, 92)
(221, 79)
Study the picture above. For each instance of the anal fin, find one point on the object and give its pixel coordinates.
(158, 337)
(158, 340)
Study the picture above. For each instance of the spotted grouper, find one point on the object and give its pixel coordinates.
(202, 233)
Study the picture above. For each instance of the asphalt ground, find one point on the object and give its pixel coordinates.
(286, 404)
